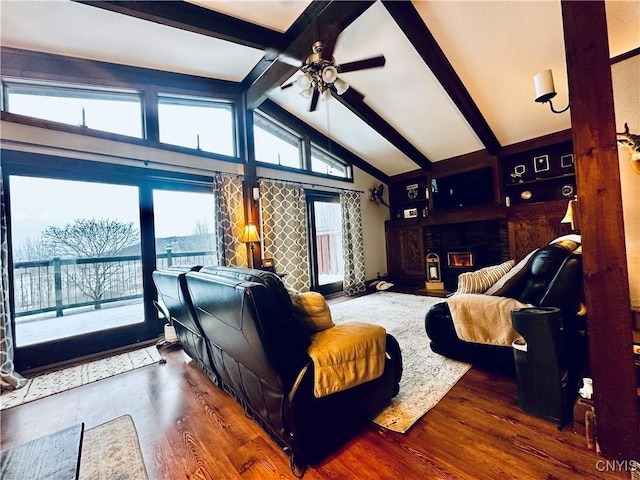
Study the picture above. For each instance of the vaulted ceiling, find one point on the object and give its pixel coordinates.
(457, 78)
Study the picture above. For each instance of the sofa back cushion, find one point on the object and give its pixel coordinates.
(283, 338)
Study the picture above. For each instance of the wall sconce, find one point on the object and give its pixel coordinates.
(434, 273)
(572, 216)
(250, 235)
(545, 90)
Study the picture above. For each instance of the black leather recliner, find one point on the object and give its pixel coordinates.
(257, 350)
(172, 293)
(549, 277)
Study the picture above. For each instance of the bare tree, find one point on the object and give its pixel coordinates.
(92, 238)
(202, 236)
(31, 249)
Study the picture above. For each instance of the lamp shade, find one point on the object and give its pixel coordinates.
(544, 87)
(571, 216)
(249, 234)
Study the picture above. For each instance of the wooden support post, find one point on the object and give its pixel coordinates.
(602, 227)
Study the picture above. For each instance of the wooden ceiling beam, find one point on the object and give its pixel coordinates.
(416, 31)
(354, 101)
(194, 18)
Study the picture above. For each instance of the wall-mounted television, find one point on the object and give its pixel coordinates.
(463, 189)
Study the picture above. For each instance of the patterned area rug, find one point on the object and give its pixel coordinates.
(427, 376)
(112, 451)
(71, 377)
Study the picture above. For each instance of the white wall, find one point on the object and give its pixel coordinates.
(626, 91)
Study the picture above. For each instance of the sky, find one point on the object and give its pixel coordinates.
(37, 203)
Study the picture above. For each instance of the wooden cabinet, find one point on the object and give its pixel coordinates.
(535, 225)
(405, 254)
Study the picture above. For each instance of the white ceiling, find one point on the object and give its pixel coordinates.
(494, 46)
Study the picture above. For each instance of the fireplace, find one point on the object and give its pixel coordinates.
(458, 261)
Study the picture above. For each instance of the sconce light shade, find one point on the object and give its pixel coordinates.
(544, 87)
(249, 234)
(545, 90)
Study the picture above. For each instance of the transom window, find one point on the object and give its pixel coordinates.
(278, 145)
(198, 123)
(110, 110)
(324, 162)
(275, 144)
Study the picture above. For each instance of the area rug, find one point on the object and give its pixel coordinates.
(65, 379)
(111, 451)
(427, 376)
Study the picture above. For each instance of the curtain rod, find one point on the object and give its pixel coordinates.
(206, 173)
(311, 185)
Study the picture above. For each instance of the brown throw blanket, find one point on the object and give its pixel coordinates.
(486, 319)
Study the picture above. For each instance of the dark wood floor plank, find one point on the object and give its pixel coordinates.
(190, 429)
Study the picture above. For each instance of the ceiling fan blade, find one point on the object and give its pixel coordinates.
(314, 100)
(271, 54)
(363, 64)
(290, 60)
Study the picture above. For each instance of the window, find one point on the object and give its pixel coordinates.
(276, 145)
(198, 123)
(323, 162)
(115, 111)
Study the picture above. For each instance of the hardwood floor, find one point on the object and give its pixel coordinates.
(190, 429)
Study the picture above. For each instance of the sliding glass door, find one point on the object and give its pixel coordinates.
(77, 267)
(84, 243)
(325, 238)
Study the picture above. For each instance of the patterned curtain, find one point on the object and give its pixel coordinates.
(229, 221)
(9, 379)
(284, 232)
(353, 243)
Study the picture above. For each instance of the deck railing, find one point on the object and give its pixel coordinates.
(59, 283)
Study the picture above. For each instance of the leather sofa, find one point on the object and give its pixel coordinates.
(548, 277)
(244, 335)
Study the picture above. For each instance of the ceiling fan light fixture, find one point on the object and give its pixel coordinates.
(329, 74)
(304, 81)
(341, 86)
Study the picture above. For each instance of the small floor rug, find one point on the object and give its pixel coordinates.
(111, 451)
(427, 376)
(67, 378)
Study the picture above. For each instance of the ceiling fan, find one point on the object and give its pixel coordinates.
(320, 70)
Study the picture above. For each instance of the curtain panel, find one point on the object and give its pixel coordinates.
(353, 243)
(9, 378)
(230, 220)
(284, 232)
